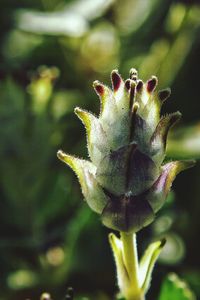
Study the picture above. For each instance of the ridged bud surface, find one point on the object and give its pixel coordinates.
(125, 180)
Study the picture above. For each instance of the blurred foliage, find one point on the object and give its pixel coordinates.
(176, 289)
(185, 142)
(50, 52)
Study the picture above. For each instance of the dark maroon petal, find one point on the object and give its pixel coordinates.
(127, 213)
(142, 173)
(139, 85)
(164, 94)
(99, 88)
(151, 84)
(128, 84)
(116, 80)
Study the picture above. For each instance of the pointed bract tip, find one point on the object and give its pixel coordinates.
(99, 87)
(187, 164)
(80, 112)
(169, 120)
(128, 84)
(114, 242)
(135, 107)
(175, 117)
(111, 236)
(77, 110)
(169, 172)
(152, 83)
(162, 242)
(61, 155)
(164, 94)
(96, 82)
(139, 85)
(163, 127)
(66, 158)
(82, 115)
(116, 80)
(133, 74)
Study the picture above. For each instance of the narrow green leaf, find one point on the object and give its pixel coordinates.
(147, 263)
(122, 274)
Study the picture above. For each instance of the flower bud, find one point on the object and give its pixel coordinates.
(125, 181)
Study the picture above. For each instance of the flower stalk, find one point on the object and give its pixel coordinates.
(130, 258)
(134, 276)
(126, 180)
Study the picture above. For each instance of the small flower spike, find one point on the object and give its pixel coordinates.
(125, 181)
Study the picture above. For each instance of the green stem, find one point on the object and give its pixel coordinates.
(130, 258)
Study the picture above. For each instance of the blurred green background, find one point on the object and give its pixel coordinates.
(50, 53)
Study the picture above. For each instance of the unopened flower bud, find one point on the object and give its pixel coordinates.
(126, 181)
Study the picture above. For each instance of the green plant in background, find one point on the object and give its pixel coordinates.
(43, 246)
(175, 288)
(126, 181)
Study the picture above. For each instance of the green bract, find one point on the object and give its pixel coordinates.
(125, 181)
